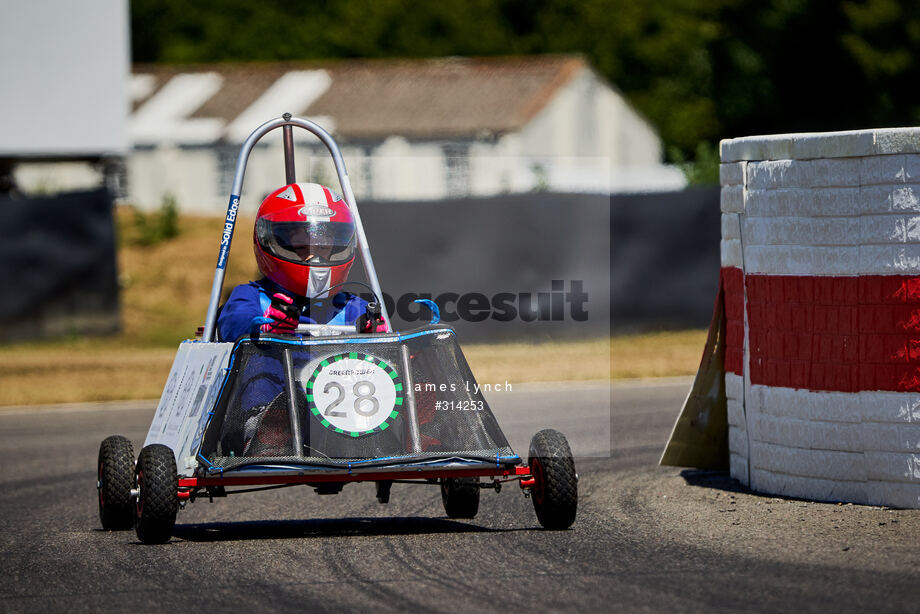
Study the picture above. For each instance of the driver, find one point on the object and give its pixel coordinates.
(304, 243)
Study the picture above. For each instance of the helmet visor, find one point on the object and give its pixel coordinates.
(310, 243)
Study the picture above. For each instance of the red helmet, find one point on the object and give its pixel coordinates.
(304, 239)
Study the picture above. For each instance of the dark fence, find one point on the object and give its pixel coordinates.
(546, 266)
(522, 266)
(57, 265)
(665, 259)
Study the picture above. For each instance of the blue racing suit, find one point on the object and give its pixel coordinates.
(248, 301)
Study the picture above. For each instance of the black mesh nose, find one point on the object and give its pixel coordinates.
(252, 418)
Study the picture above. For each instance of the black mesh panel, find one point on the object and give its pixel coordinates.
(353, 402)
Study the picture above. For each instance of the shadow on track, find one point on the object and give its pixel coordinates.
(323, 527)
(721, 480)
(718, 480)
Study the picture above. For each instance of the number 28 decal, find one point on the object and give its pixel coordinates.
(354, 393)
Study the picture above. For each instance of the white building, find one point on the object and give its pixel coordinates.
(409, 129)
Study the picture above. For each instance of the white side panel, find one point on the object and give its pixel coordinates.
(194, 382)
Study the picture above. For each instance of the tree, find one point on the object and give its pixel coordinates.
(700, 70)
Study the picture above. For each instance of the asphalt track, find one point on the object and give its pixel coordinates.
(646, 538)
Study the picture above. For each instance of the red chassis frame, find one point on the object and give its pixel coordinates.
(187, 486)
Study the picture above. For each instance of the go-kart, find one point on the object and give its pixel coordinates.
(324, 407)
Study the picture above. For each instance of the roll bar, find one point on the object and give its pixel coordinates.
(287, 122)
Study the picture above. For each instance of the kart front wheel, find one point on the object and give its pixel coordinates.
(460, 497)
(555, 489)
(157, 483)
(114, 479)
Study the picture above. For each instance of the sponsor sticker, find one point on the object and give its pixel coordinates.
(229, 223)
(354, 394)
(316, 211)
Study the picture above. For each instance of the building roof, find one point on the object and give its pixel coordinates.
(359, 99)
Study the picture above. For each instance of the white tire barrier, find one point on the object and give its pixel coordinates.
(821, 271)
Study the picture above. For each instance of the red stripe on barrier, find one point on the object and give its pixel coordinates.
(732, 281)
(841, 334)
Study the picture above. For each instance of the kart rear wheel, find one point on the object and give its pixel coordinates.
(114, 479)
(555, 490)
(460, 497)
(157, 483)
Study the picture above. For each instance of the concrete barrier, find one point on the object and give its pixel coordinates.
(820, 257)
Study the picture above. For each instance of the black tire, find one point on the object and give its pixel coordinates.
(555, 490)
(114, 480)
(158, 494)
(460, 497)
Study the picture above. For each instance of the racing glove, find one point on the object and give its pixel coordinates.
(283, 313)
(370, 326)
(371, 321)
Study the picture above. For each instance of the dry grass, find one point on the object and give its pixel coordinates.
(167, 285)
(526, 362)
(662, 354)
(165, 293)
(79, 372)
